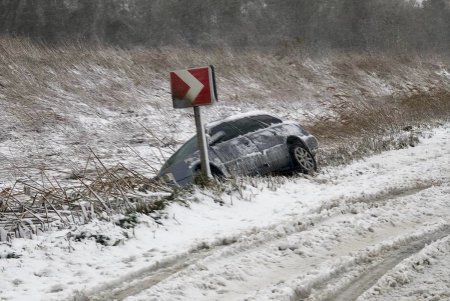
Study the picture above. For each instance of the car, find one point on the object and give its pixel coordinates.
(249, 144)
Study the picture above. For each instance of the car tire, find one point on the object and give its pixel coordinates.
(302, 159)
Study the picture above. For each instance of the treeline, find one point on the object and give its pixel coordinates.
(311, 24)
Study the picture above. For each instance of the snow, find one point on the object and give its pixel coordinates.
(444, 73)
(423, 276)
(342, 208)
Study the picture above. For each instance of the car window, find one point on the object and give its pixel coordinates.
(223, 132)
(267, 119)
(247, 125)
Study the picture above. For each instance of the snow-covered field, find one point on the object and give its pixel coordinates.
(279, 239)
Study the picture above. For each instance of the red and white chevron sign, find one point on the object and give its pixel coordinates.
(193, 87)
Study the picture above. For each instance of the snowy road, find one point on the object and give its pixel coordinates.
(368, 230)
(338, 260)
(328, 260)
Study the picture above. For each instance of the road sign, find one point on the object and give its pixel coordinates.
(193, 87)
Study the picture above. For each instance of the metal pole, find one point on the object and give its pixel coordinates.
(202, 145)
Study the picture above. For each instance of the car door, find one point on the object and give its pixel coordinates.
(271, 144)
(254, 131)
(236, 151)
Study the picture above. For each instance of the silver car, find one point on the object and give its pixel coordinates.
(249, 144)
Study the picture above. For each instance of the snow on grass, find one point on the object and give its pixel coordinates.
(56, 265)
(444, 73)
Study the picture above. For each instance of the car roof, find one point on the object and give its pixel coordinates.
(237, 117)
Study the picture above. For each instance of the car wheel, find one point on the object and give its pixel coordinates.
(302, 158)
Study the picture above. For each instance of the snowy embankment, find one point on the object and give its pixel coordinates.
(278, 239)
(62, 104)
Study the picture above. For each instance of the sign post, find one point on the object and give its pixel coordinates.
(194, 88)
(202, 144)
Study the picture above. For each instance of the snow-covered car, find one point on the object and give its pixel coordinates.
(246, 144)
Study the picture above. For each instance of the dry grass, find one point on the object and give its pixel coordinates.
(41, 85)
(364, 118)
(30, 207)
(362, 128)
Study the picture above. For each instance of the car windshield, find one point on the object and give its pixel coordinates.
(188, 148)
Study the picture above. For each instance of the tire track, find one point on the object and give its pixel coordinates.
(374, 272)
